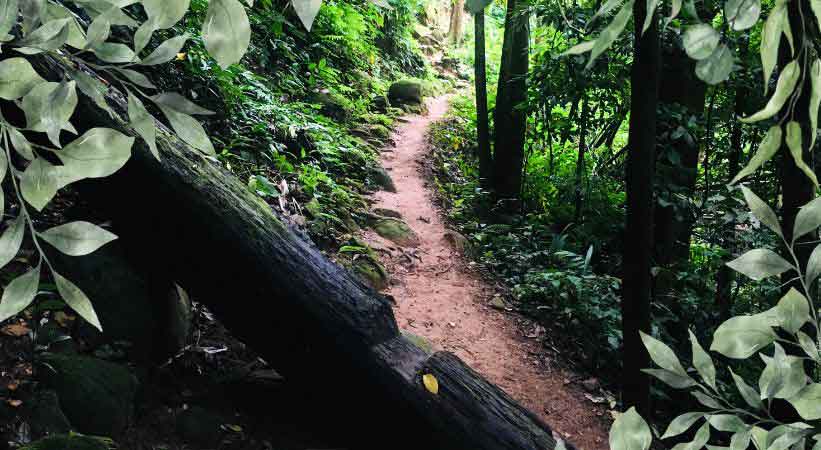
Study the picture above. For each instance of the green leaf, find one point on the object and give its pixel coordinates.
(226, 31)
(795, 144)
(17, 78)
(814, 265)
(165, 13)
(306, 10)
(178, 103)
(662, 355)
(49, 36)
(766, 150)
(762, 211)
(672, 379)
(815, 98)
(143, 123)
(77, 300)
(650, 14)
(177, 110)
(700, 41)
(681, 424)
(19, 293)
(760, 263)
(98, 153)
(783, 376)
(770, 41)
(8, 16)
(606, 8)
(578, 49)
(77, 238)
(143, 36)
(705, 400)
(727, 423)
(611, 32)
(783, 90)
(113, 52)
(807, 402)
(793, 311)
(717, 67)
(93, 88)
(759, 436)
(808, 218)
(702, 362)
(11, 239)
(809, 346)
(742, 14)
(748, 393)
(166, 51)
(20, 143)
(49, 106)
(40, 182)
(630, 432)
(137, 78)
(740, 440)
(76, 37)
(740, 337)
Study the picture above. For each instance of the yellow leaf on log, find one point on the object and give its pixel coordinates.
(431, 383)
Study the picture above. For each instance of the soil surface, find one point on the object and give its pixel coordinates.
(439, 297)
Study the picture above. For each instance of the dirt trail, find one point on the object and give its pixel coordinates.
(439, 298)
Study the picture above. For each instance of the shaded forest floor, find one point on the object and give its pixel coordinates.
(447, 301)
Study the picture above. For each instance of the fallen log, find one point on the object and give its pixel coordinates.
(331, 337)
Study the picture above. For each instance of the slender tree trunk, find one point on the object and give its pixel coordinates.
(483, 134)
(510, 115)
(457, 19)
(638, 244)
(580, 159)
(571, 118)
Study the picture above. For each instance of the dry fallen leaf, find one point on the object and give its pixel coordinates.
(431, 383)
(13, 386)
(14, 403)
(15, 329)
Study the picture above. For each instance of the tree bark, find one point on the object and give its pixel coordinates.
(334, 340)
(457, 20)
(580, 160)
(482, 131)
(510, 117)
(638, 243)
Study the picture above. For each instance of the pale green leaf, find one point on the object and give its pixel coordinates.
(19, 293)
(11, 239)
(650, 15)
(700, 41)
(814, 265)
(759, 436)
(76, 37)
(662, 355)
(727, 423)
(166, 51)
(783, 90)
(740, 337)
(137, 78)
(143, 123)
(675, 9)
(762, 210)
(702, 362)
(740, 440)
(630, 432)
(40, 182)
(606, 8)
(793, 311)
(815, 98)
(93, 88)
(748, 393)
(98, 153)
(770, 41)
(705, 400)
(48, 36)
(672, 379)
(175, 101)
(809, 346)
(783, 376)
(113, 52)
(578, 49)
(77, 238)
(20, 143)
(306, 10)
(717, 67)
(143, 36)
(17, 78)
(766, 150)
(808, 218)
(165, 13)
(8, 16)
(611, 32)
(189, 130)
(760, 263)
(49, 106)
(77, 300)
(681, 424)
(796, 146)
(742, 14)
(226, 31)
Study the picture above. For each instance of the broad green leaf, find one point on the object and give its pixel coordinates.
(306, 10)
(759, 436)
(39, 183)
(226, 31)
(681, 424)
(177, 110)
(76, 37)
(11, 239)
(717, 67)
(748, 393)
(98, 153)
(98, 31)
(766, 150)
(809, 346)
(783, 376)
(675, 9)
(786, 439)
(578, 49)
(796, 146)
(8, 16)
(143, 123)
(662, 355)
(630, 432)
(19, 293)
(700, 41)
(611, 32)
(793, 311)
(177, 102)
(699, 441)
(783, 90)
(605, 9)
(807, 402)
(727, 423)
(743, 14)
(650, 15)
(93, 88)
(740, 440)
(702, 362)
(77, 238)
(760, 263)
(770, 40)
(166, 51)
(143, 36)
(77, 300)
(742, 336)
(49, 106)
(705, 400)
(762, 210)
(808, 219)
(20, 143)
(814, 265)
(165, 13)
(815, 5)
(48, 36)
(672, 379)
(137, 78)
(17, 78)
(815, 98)
(113, 52)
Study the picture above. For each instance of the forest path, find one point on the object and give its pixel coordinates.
(439, 298)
